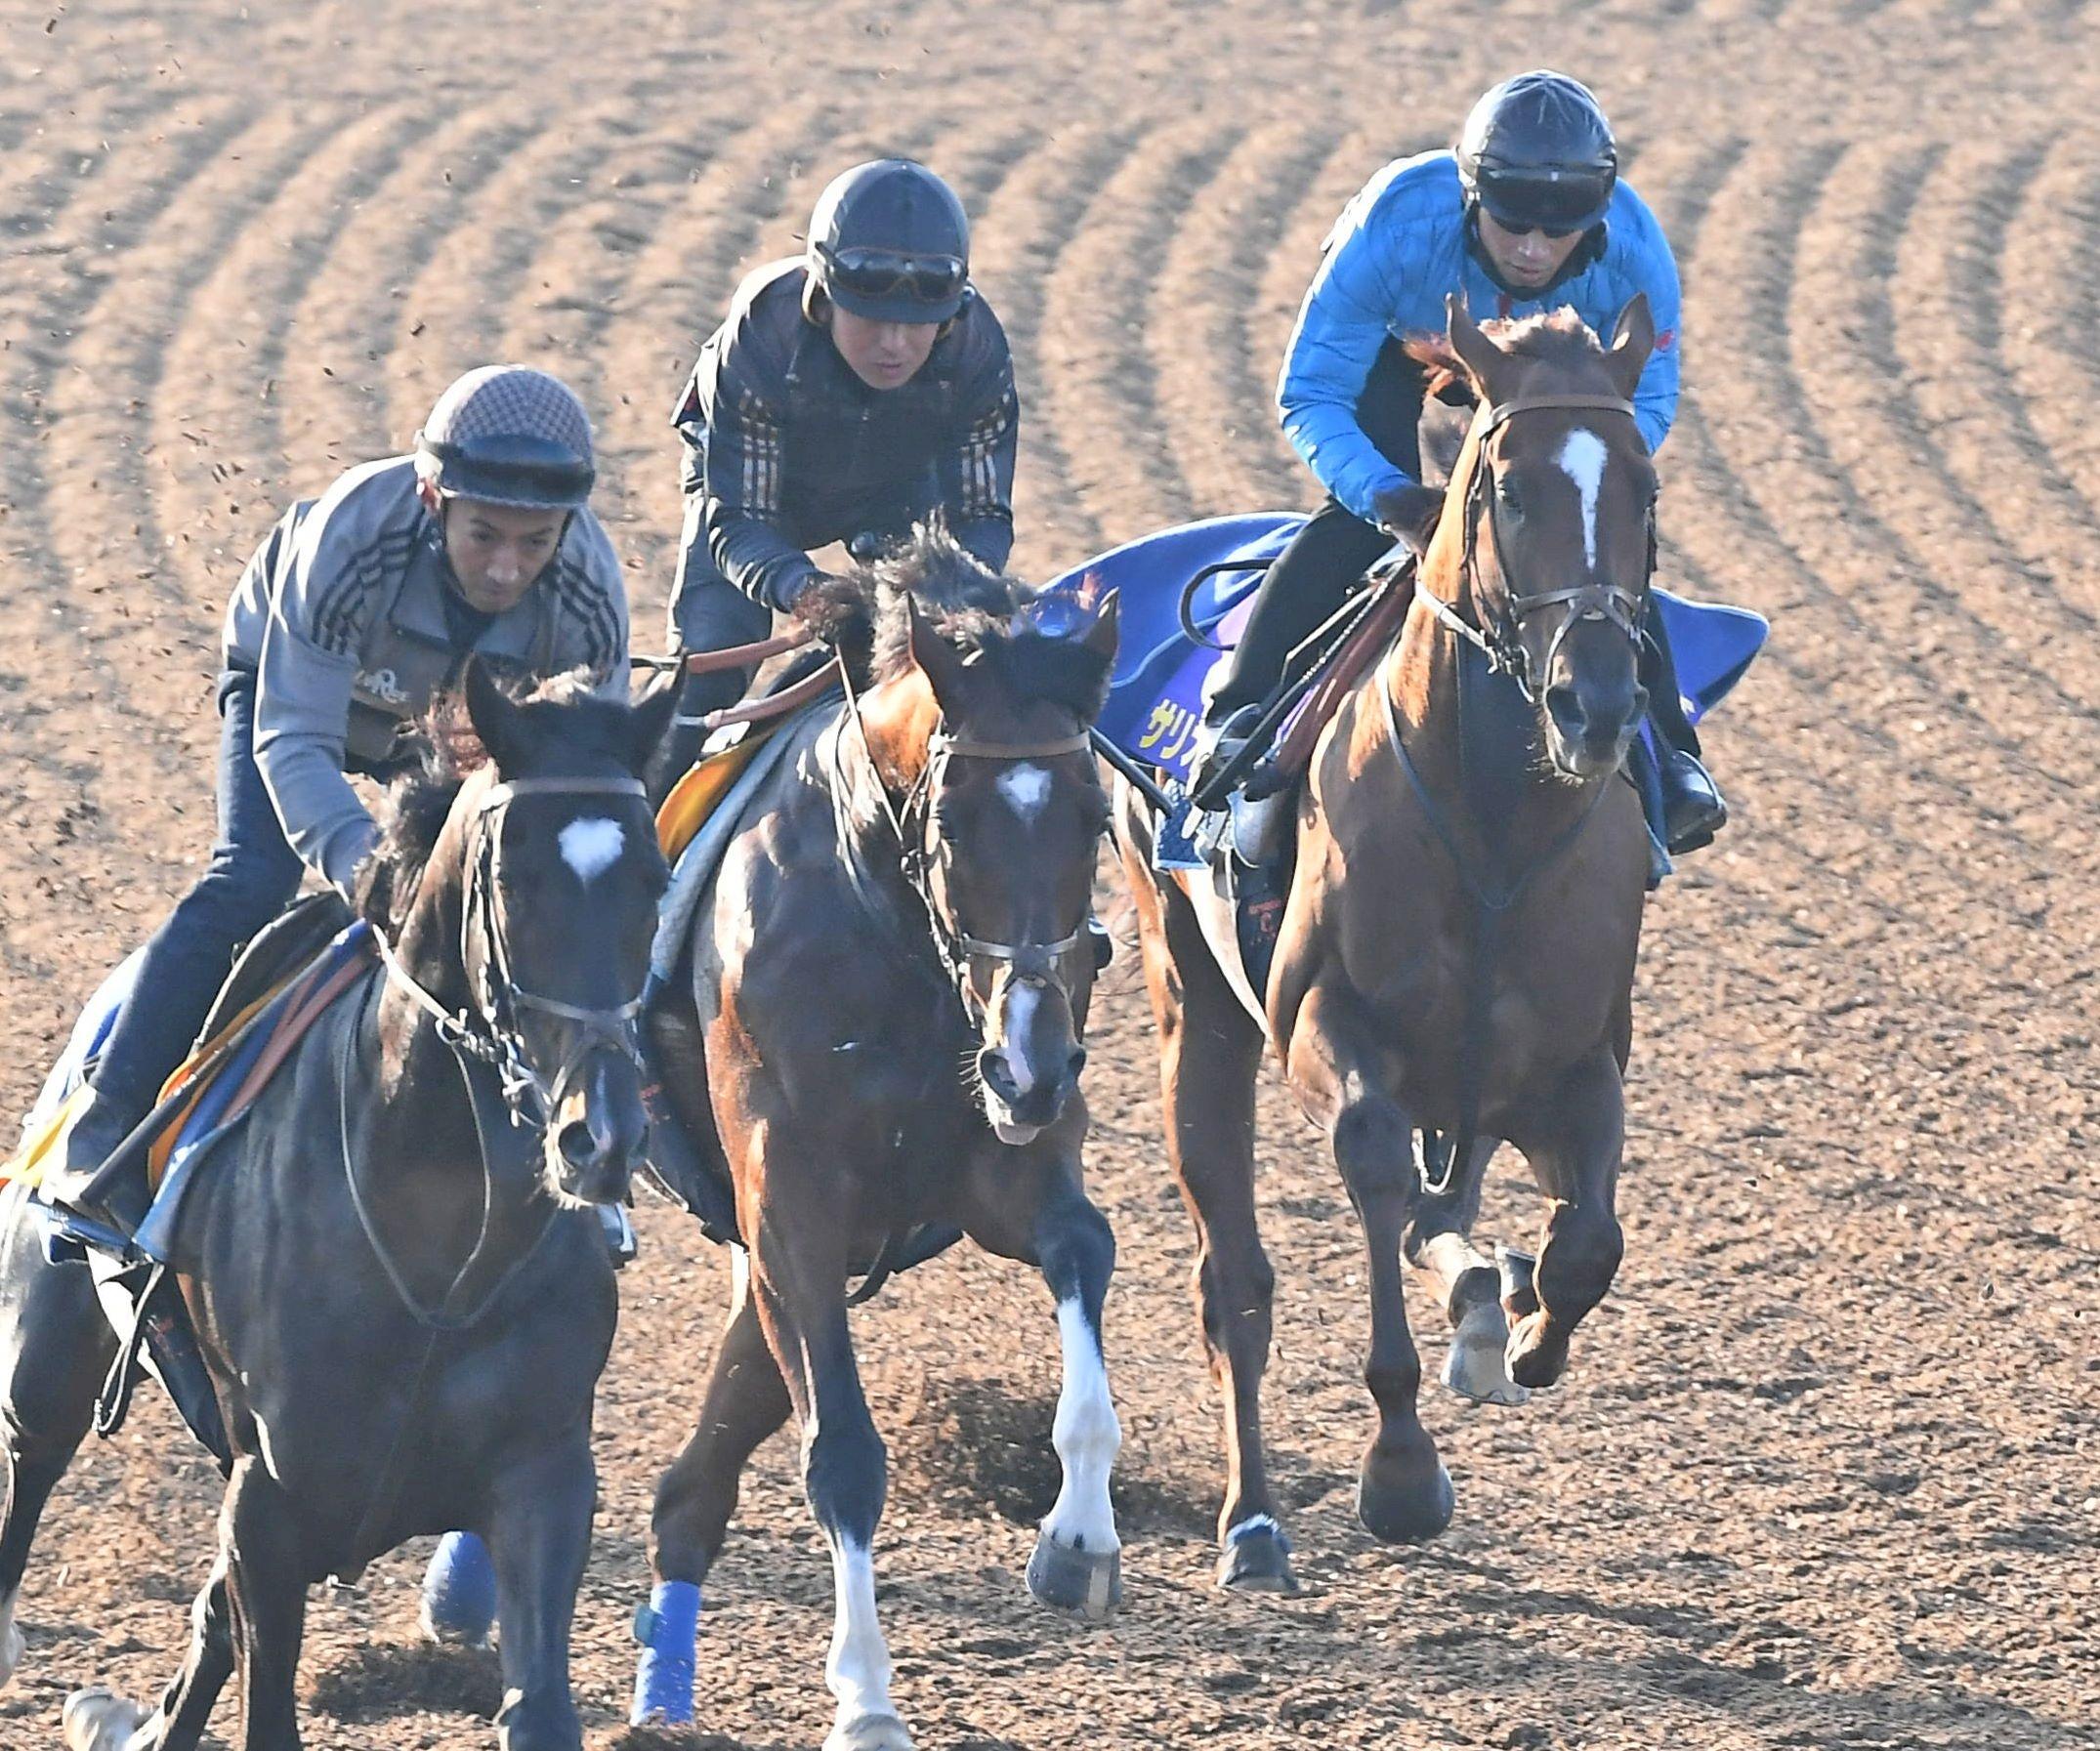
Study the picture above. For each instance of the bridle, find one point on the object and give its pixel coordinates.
(489, 1032)
(913, 826)
(1501, 639)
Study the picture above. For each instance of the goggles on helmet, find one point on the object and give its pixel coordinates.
(884, 274)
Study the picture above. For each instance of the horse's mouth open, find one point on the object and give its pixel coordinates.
(1013, 1132)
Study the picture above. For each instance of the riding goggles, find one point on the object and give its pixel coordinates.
(885, 274)
(1559, 202)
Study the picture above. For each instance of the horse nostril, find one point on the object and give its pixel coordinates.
(1564, 705)
(992, 1066)
(577, 1146)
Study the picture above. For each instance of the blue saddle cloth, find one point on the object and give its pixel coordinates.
(1156, 696)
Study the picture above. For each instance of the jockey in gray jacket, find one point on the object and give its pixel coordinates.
(356, 611)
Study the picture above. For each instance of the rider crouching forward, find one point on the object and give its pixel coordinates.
(358, 610)
(1526, 215)
(852, 391)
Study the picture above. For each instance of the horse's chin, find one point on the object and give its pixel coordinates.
(1012, 1133)
(1581, 762)
(571, 1190)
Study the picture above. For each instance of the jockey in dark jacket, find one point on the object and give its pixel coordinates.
(357, 608)
(851, 393)
(1526, 215)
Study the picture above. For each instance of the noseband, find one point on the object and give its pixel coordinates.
(491, 1032)
(1502, 641)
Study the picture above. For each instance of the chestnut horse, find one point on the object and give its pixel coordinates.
(1456, 958)
(888, 988)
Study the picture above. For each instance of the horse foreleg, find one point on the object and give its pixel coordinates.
(266, 1584)
(1030, 1205)
(55, 1348)
(1403, 1492)
(1210, 1058)
(745, 1402)
(1437, 1242)
(1575, 1149)
(539, 1535)
(802, 1306)
(98, 1721)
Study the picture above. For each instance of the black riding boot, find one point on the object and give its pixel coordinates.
(116, 1198)
(1693, 808)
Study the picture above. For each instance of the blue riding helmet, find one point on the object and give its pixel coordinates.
(1536, 153)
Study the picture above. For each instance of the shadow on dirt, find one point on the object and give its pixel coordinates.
(975, 1446)
(380, 1682)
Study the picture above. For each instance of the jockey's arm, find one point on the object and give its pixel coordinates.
(301, 730)
(734, 444)
(1651, 268)
(977, 472)
(1342, 324)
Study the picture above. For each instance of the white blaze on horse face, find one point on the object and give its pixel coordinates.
(1016, 1019)
(1026, 788)
(858, 1668)
(1582, 458)
(1087, 1437)
(592, 846)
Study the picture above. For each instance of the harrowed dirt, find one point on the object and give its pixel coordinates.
(1825, 1469)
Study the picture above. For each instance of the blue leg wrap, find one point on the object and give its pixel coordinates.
(459, 1591)
(668, 1628)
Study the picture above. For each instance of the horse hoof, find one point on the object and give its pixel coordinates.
(1402, 1501)
(1475, 1367)
(1088, 1582)
(459, 1593)
(869, 1732)
(1256, 1559)
(98, 1719)
(1537, 1355)
(1519, 1271)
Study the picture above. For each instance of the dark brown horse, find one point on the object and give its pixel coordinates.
(889, 987)
(403, 1297)
(1457, 950)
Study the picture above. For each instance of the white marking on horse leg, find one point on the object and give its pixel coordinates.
(592, 845)
(11, 1642)
(98, 1719)
(1087, 1439)
(1582, 458)
(858, 1668)
(1026, 788)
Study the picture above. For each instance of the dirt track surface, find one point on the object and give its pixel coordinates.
(1824, 1470)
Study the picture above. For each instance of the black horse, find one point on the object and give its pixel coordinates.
(399, 1282)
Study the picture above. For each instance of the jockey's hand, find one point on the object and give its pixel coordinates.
(1409, 512)
(836, 611)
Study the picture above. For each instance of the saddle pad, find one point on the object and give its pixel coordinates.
(1155, 695)
(707, 782)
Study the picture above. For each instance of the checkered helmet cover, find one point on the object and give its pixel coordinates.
(509, 435)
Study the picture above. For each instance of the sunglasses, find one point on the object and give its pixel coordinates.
(884, 274)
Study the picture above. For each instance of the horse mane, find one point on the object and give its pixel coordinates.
(985, 614)
(1553, 337)
(444, 752)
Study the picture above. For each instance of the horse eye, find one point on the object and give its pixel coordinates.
(1512, 502)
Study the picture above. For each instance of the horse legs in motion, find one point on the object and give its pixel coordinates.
(786, 1347)
(55, 1349)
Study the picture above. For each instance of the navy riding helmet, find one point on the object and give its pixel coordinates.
(889, 242)
(1536, 153)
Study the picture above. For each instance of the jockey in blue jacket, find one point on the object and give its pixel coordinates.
(1528, 214)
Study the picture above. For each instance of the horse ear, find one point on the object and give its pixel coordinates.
(1483, 360)
(495, 717)
(935, 659)
(1633, 338)
(650, 719)
(1102, 637)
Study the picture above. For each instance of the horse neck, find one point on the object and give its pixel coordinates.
(882, 744)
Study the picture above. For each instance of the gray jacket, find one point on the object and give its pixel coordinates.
(340, 613)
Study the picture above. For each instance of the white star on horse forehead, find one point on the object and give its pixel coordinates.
(1026, 788)
(592, 845)
(1582, 458)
